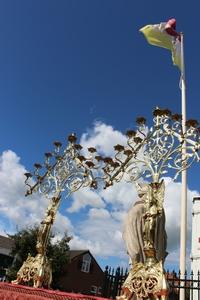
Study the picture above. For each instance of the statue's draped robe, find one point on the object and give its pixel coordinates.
(133, 234)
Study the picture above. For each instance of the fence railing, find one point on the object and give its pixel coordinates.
(113, 281)
(190, 282)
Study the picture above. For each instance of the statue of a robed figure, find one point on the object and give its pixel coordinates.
(146, 241)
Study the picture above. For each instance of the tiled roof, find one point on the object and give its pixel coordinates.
(6, 242)
(75, 253)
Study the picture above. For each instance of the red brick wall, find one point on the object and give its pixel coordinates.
(74, 280)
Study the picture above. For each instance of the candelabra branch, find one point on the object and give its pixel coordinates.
(150, 152)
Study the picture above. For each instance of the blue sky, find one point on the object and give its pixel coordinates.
(67, 64)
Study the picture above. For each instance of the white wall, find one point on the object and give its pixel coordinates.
(195, 250)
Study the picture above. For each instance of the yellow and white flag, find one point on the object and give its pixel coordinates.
(164, 35)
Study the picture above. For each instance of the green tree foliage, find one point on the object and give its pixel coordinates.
(25, 242)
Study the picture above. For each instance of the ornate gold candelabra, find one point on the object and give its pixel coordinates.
(149, 154)
(64, 173)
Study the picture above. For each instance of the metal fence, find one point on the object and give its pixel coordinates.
(190, 282)
(113, 281)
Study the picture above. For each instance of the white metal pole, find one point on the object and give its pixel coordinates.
(183, 221)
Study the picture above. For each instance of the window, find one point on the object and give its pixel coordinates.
(86, 263)
(99, 290)
(93, 289)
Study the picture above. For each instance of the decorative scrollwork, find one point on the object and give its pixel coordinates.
(68, 172)
(151, 153)
(148, 153)
(144, 281)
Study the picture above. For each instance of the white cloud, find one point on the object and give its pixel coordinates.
(16, 210)
(100, 233)
(101, 214)
(120, 195)
(78, 243)
(172, 208)
(62, 225)
(14, 206)
(85, 197)
(103, 137)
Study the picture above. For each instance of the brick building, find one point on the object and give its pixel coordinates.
(82, 274)
(6, 245)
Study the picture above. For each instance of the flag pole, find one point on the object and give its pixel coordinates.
(183, 221)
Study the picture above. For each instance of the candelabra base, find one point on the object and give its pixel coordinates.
(145, 281)
(36, 270)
